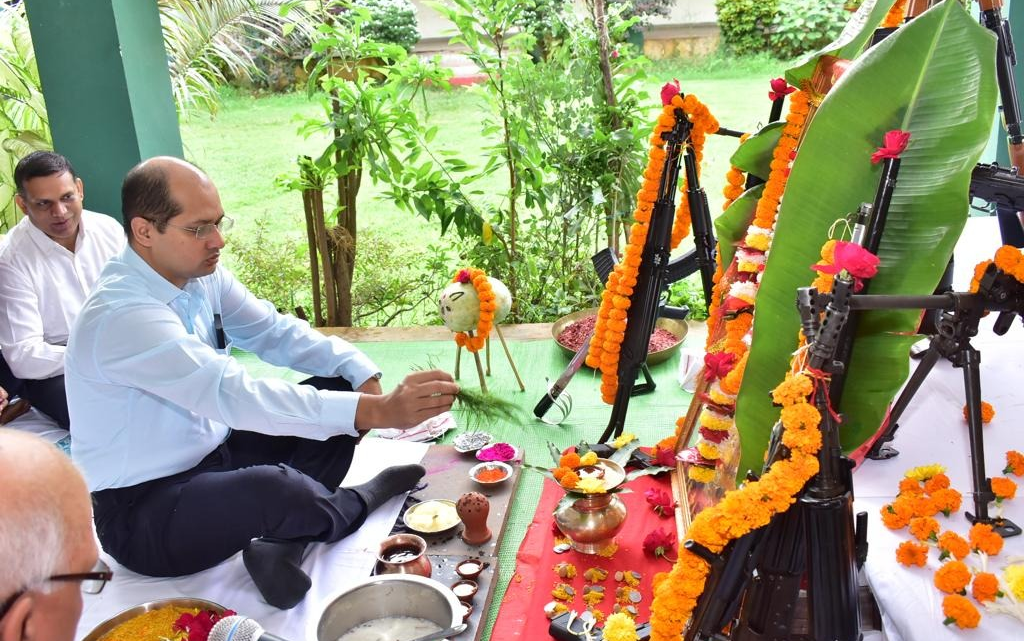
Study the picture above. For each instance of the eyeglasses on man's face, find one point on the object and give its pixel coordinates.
(203, 232)
(91, 583)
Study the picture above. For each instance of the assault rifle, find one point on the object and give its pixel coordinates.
(1000, 186)
(656, 271)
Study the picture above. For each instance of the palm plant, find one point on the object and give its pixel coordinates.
(206, 41)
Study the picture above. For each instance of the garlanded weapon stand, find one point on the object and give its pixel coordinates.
(657, 272)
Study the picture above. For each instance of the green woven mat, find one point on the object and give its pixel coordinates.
(651, 417)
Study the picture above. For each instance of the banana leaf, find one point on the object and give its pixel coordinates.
(935, 78)
(731, 226)
(754, 156)
(854, 37)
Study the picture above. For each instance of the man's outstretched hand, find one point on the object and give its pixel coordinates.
(421, 395)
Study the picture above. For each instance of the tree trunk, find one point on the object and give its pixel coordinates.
(603, 45)
(314, 266)
(323, 248)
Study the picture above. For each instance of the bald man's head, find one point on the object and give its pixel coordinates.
(150, 190)
(45, 531)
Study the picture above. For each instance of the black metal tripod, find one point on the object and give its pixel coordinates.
(956, 326)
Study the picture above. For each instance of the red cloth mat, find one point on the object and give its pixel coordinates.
(521, 615)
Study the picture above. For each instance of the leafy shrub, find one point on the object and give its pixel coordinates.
(395, 284)
(391, 21)
(645, 9)
(274, 269)
(806, 25)
(689, 292)
(746, 24)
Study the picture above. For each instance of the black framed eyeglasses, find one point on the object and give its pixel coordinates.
(204, 231)
(92, 583)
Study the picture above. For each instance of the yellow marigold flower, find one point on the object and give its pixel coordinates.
(924, 472)
(758, 241)
(709, 450)
(715, 421)
(589, 458)
(1013, 575)
(701, 474)
(625, 439)
(620, 627)
(591, 485)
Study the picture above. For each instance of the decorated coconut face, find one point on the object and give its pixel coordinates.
(460, 306)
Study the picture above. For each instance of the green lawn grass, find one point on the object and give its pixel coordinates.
(254, 139)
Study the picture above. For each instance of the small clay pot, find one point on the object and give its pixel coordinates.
(404, 554)
(465, 590)
(471, 568)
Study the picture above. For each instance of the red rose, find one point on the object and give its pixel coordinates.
(659, 544)
(669, 91)
(780, 89)
(718, 365)
(660, 502)
(854, 259)
(894, 144)
(464, 276)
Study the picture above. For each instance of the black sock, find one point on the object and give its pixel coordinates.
(275, 568)
(391, 482)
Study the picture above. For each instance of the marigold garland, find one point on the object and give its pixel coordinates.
(485, 293)
(740, 511)
(896, 14)
(610, 328)
(735, 181)
(733, 299)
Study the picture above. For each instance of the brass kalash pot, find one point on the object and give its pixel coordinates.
(591, 521)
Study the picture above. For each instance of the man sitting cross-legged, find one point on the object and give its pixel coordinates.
(188, 457)
(48, 265)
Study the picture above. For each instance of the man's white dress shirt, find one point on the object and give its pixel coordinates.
(150, 394)
(42, 288)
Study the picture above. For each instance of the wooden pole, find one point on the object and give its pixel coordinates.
(488, 342)
(458, 359)
(479, 368)
(508, 354)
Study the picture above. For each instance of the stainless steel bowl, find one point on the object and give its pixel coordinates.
(388, 595)
(132, 612)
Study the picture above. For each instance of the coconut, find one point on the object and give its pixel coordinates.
(460, 305)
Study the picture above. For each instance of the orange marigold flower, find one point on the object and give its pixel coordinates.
(1003, 488)
(569, 480)
(938, 482)
(953, 577)
(896, 515)
(910, 487)
(570, 460)
(947, 500)
(987, 412)
(910, 553)
(923, 506)
(960, 611)
(559, 472)
(1014, 463)
(924, 528)
(985, 587)
(952, 544)
(984, 539)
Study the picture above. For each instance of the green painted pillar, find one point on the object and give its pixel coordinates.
(104, 74)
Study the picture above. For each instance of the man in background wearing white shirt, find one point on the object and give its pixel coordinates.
(48, 265)
(190, 459)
